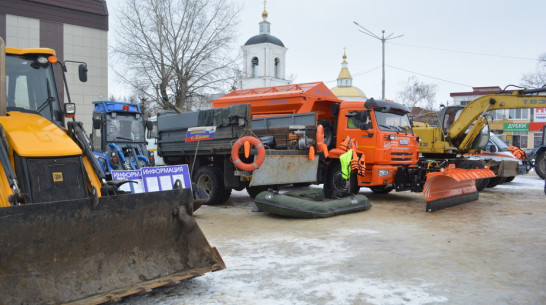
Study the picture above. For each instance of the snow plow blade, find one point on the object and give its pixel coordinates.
(91, 251)
(452, 187)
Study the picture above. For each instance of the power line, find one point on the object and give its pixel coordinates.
(436, 78)
(383, 39)
(463, 52)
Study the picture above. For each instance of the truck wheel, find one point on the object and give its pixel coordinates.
(210, 179)
(509, 179)
(253, 191)
(381, 189)
(540, 164)
(335, 186)
(495, 181)
(225, 195)
(481, 184)
(328, 132)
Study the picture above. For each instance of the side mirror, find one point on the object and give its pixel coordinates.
(82, 71)
(363, 117)
(97, 121)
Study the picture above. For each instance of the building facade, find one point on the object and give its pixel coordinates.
(264, 59)
(76, 30)
(518, 127)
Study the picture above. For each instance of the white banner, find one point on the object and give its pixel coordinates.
(540, 115)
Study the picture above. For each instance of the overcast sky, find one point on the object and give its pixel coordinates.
(456, 45)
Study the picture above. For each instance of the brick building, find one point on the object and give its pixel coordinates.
(76, 30)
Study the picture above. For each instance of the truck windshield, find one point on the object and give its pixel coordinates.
(30, 87)
(393, 121)
(124, 128)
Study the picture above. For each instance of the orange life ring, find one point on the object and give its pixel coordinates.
(320, 136)
(235, 153)
(320, 141)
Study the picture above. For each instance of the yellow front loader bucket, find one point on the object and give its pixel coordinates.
(453, 186)
(97, 250)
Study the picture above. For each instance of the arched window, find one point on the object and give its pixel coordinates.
(277, 67)
(254, 66)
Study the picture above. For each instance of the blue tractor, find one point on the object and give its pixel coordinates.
(118, 138)
(540, 157)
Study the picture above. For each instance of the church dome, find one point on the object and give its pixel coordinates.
(264, 38)
(345, 89)
(341, 92)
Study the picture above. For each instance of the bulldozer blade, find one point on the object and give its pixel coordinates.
(96, 250)
(452, 187)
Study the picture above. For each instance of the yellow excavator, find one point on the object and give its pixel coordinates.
(67, 236)
(464, 130)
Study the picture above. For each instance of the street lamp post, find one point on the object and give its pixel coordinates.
(383, 39)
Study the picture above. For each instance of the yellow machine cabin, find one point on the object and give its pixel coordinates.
(66, 234)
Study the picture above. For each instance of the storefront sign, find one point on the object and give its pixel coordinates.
(540, 115)
(516, 126)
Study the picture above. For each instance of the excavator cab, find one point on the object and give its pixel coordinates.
(448, 115)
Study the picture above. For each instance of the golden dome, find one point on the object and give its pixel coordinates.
(345, 89)
(344, 74)
(342, 92)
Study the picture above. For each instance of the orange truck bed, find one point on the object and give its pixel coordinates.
(287, 99)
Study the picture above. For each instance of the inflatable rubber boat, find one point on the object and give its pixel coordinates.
(309, 203)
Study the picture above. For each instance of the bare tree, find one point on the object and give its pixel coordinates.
(418, 93)
(177, 51)
(537, 78)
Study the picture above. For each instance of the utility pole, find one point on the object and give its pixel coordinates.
(383, 39)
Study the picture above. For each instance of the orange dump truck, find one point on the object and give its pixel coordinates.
(380, 134)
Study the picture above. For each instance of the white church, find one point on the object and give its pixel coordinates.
(264, 58)
(264, 65)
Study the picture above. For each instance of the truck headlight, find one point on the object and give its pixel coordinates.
(383, 172)
(392, 137)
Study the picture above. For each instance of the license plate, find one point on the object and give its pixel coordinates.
(242, 173)
(404, 142)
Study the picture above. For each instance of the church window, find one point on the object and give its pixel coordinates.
(277, 67)
(255, 66)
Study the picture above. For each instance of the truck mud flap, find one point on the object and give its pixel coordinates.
(452, 187)
(97, 250)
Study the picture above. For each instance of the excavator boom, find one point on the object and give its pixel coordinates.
(475, 109)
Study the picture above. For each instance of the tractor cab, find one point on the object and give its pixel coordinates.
(118, 136)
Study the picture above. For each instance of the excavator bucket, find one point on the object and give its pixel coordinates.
(96, 250)
(452, 187)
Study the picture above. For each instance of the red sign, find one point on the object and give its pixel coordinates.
(536, 126)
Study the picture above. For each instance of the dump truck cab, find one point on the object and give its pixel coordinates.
(118, 137)
(383, 134)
